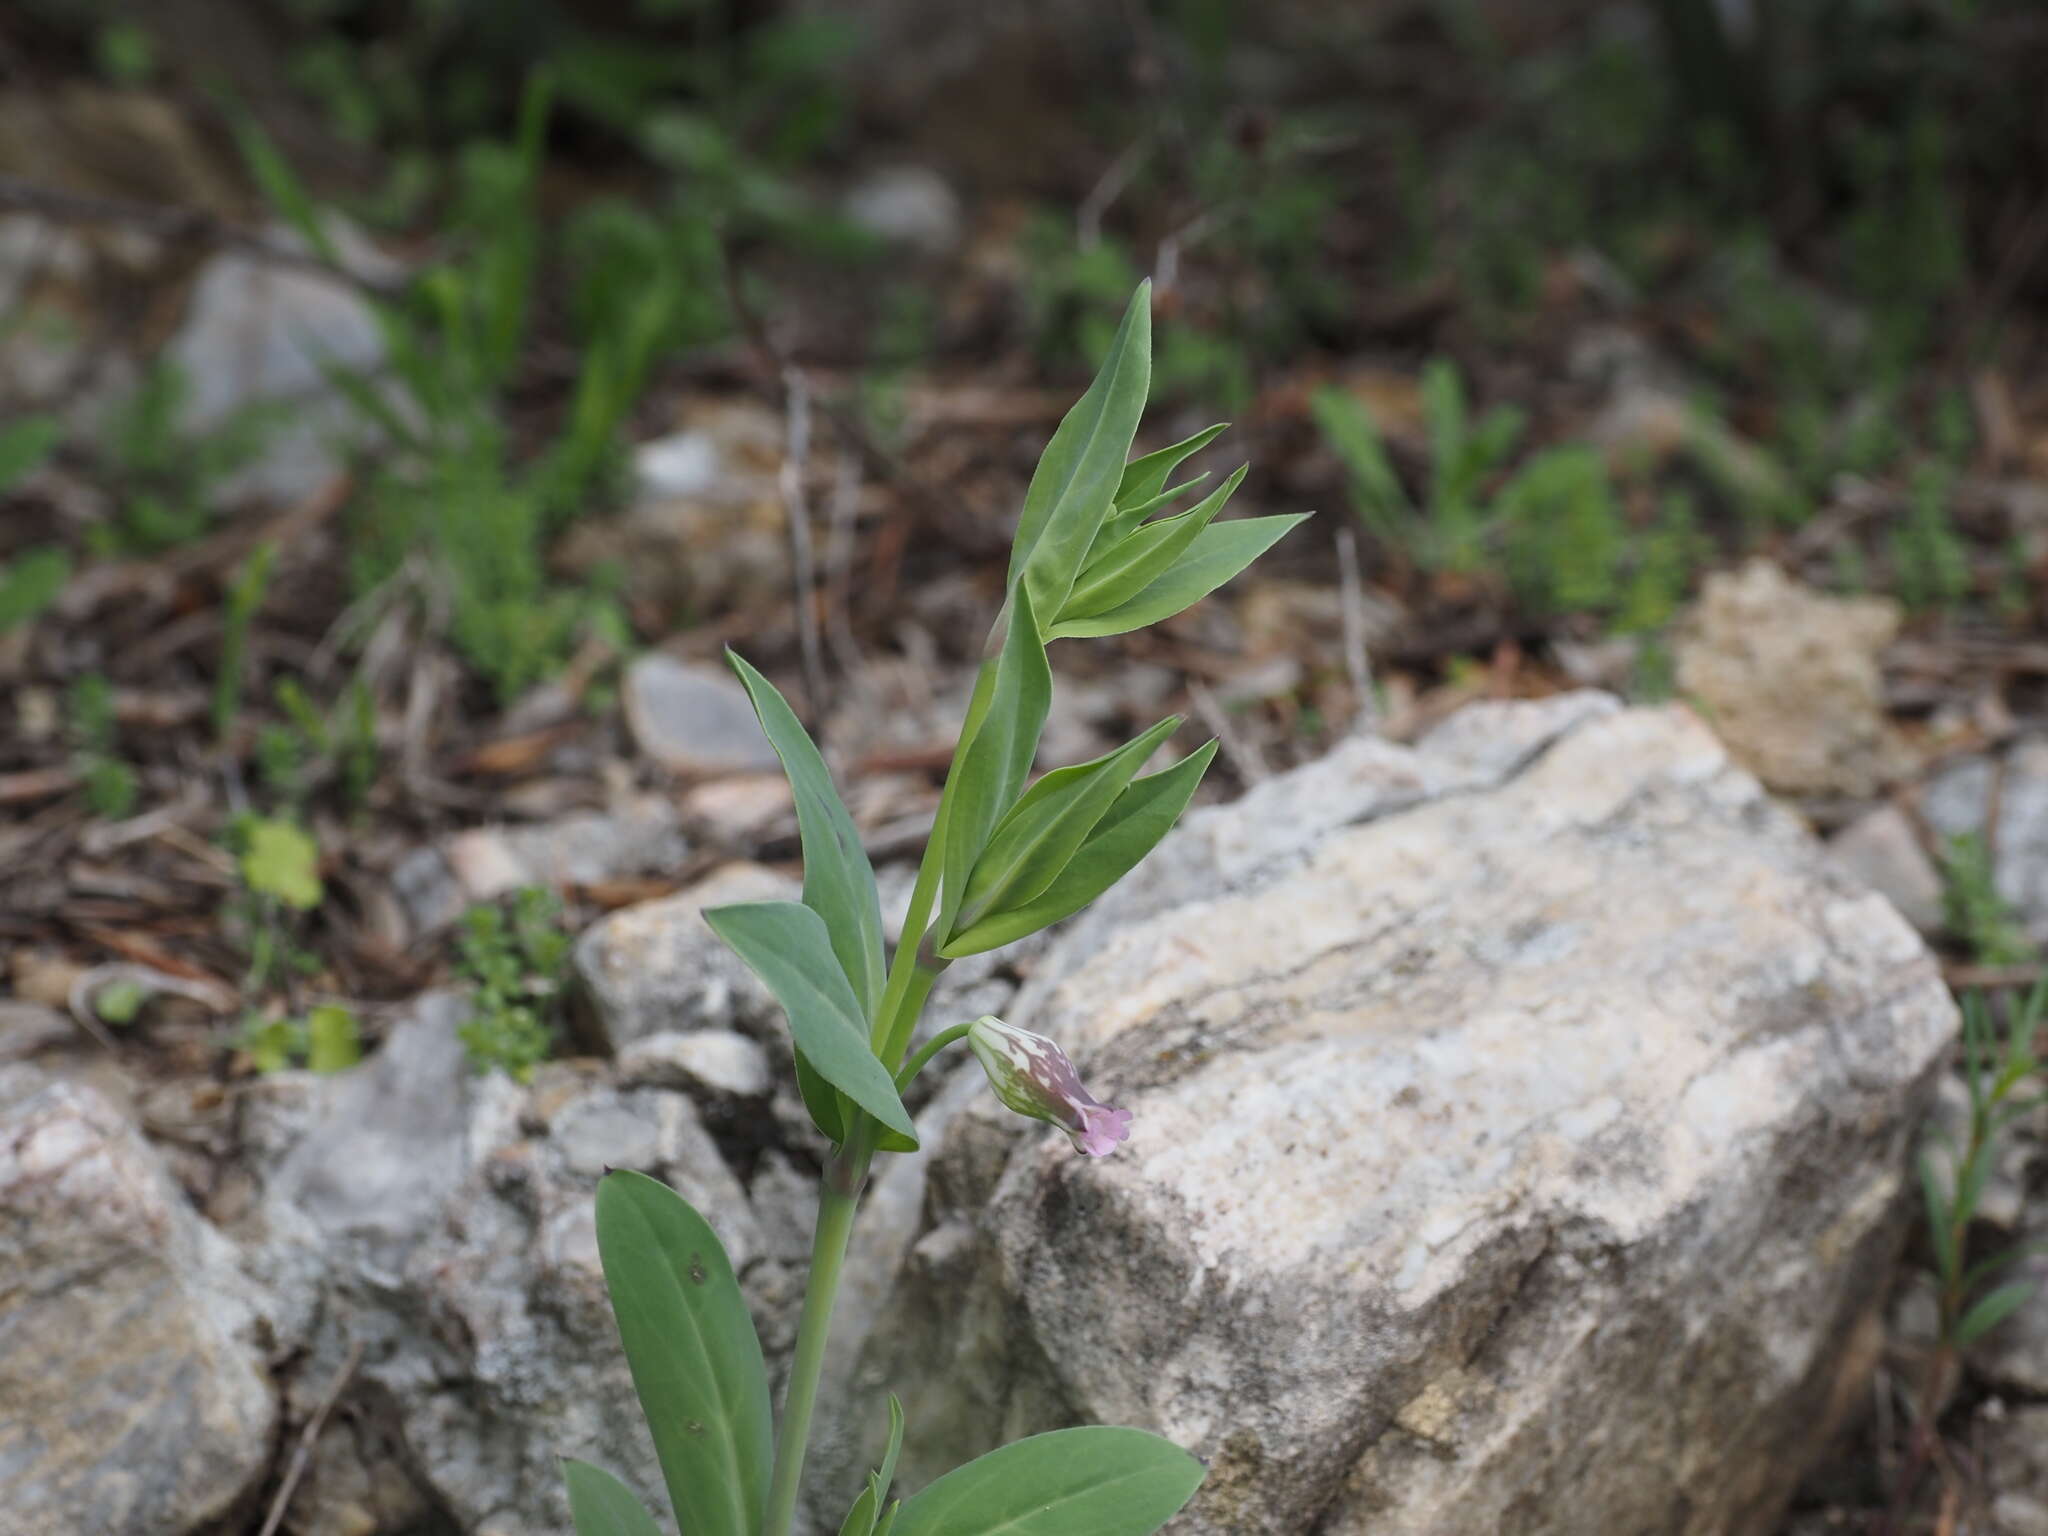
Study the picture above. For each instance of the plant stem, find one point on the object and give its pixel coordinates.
(931, 1048)
(838, 1195)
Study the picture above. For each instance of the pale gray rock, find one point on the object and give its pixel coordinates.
(693, 719)
(2014, 1441)
(387, 1141)
(714, 1066)
(1958, 801)
(641, 836)
(1520, 1144)
(657, 967)
(1882, 849)
(474, 1292)
(907, 205)
(261, 333)
(136, 1402)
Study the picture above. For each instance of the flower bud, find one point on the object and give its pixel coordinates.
(1033, 1076)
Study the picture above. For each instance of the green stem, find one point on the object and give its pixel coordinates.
(838, 1195)
(931, 1048)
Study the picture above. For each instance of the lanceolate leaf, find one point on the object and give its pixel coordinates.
(839, 882)
(1144, 478)
(1032, 844)
(785, 944)
(601, 1505)
(1218, 553)
(1078, 475)
(1143, 556)
(1143, 814)
(1072, 1482)
(996, 760)
(860, 1520)
(1994, 1308)
(695, 1359)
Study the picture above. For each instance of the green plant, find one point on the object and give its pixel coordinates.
(110, 783)
(1930, 562)
(1671, 550)
(1952, 1184)
(450, 481)
(244, 597)
(164, 474)
(1006, 858)
(280, 868)
(310, 747)
(518, 966)
(1979, 917)
(327, 1039)
(1554, 525)
(32, 579)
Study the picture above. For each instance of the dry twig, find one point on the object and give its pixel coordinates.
(302, 1453)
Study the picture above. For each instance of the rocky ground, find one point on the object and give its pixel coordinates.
(1522, 1133)
(1529, 1033)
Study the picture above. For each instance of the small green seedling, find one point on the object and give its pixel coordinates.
(518, 967)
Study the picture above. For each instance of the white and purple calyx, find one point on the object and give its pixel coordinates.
(1033, 1076)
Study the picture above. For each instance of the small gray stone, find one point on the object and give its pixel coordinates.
(1788, 677)
(656, 966)
(2014, 1442)
(908, 205)
(715, 1065)
(257, 332)
(602, 1131)
(388, 1139)
(1883, 851)
(692, 719)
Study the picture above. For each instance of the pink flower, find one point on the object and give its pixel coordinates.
(1033, 1076)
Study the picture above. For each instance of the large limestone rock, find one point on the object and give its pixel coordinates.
(431, 1235)
(133, 1400)
(1520, 1140)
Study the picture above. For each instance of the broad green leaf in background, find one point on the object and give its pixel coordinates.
(1077, 477)
(786, 945)
(839, 882)
(281, 860)
(1218, 553)
(601, 1505)
(1072, 1482)
(695, 1358)
(1132, 565)
(1143, 814)
(1032, 844)
(996, 760)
